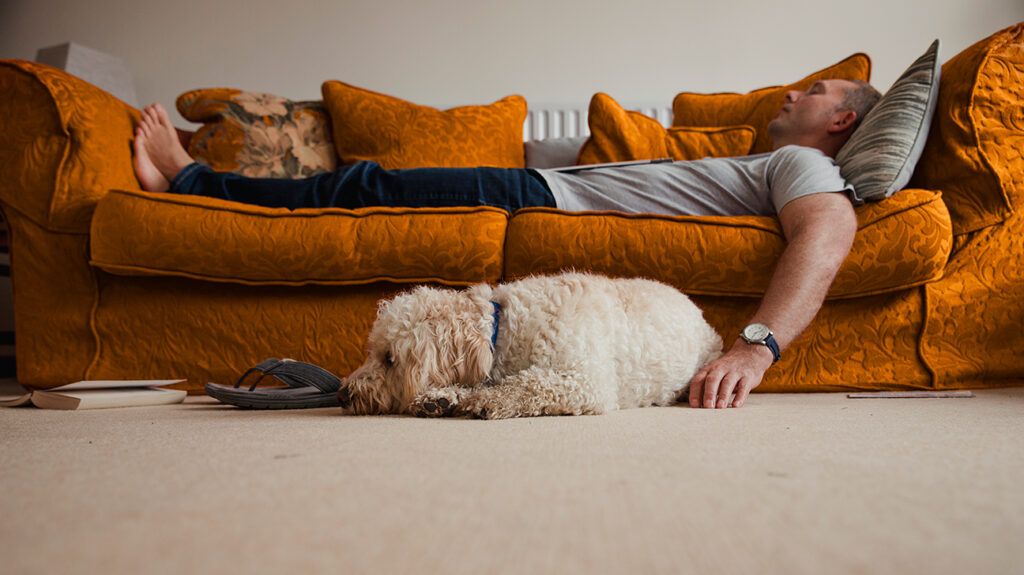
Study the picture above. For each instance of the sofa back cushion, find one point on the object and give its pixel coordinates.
(975, 151)
(619, 135)
(258, 135)
(397, 133)
(759, 107)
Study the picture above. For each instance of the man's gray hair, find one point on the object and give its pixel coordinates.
(861, 100)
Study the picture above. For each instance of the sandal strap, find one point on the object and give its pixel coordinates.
(262, 368)
(294, 374)
(305, 374)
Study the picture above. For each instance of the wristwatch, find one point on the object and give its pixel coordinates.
(759, 334)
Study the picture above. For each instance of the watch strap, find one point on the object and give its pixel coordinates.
(774, 346)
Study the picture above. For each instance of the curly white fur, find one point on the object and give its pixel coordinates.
(567, 344)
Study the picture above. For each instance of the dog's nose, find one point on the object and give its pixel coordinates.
(344, 397)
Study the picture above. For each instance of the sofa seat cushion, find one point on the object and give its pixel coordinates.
(901, 242)
(139, 233)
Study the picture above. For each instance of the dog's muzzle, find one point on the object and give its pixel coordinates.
(344, 397)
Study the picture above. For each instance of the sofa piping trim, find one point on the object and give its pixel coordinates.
(141, 270)
(925, 318)
(94, 326)
(264, 212)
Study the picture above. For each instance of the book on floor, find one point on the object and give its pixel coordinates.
(98, 394)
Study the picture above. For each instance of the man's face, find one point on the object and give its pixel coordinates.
(810, 113)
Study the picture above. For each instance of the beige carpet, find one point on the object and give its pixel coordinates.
(787, 484)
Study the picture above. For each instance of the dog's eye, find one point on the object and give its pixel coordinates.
(389, 360)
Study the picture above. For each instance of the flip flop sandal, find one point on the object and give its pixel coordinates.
(308, 386)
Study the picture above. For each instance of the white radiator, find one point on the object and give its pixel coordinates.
(570, 123)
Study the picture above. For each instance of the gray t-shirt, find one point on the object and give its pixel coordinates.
(748, 185)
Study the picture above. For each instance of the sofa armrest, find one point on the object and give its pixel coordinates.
(974, 150)
(64, 143)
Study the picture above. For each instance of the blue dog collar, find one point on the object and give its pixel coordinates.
(497, 318)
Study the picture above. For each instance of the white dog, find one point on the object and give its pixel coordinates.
(546, 345)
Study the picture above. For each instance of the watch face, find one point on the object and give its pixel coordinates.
(756, 332)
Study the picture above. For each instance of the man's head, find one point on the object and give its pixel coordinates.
(824, 116)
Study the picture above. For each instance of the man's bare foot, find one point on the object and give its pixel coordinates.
(150, 177)
(158, 152)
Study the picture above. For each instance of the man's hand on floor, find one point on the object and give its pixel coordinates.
(738, 371)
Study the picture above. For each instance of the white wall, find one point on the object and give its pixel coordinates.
(453, 52)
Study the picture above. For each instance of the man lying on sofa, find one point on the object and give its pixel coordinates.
(798, 181)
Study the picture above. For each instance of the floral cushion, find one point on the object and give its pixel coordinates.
(258, 135)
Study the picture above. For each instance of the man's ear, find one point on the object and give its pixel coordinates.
(842, 121)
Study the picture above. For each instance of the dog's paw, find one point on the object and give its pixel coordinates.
(435, 403)
(440, 408)
(483, 410)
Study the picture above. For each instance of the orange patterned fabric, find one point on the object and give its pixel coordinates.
(901, 242)
(396, 133)
(65, 143)
(759, 107)
(972, 336)
(618, 135)
(975, 150)
(975, 153)
(209, 331)
(861, 344)
(54, 293)
(258, 135)
(140, 233)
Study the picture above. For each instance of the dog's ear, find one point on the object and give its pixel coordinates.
(480, 293)
(478, 359)
(478, 356)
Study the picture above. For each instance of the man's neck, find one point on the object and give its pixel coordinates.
(830, 149)
(829, 145)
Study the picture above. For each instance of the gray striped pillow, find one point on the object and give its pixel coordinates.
(880, 156)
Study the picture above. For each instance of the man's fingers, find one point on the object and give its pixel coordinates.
(697, 388)
(742, 391)
(699, 376)
(725, 390)
(711, 383)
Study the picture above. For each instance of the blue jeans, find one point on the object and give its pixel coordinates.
(367, 184)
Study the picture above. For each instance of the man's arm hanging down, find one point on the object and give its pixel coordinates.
(819, 229)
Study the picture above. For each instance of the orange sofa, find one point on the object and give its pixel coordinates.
(113, 282)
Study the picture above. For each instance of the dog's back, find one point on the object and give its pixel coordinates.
(642, 338)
